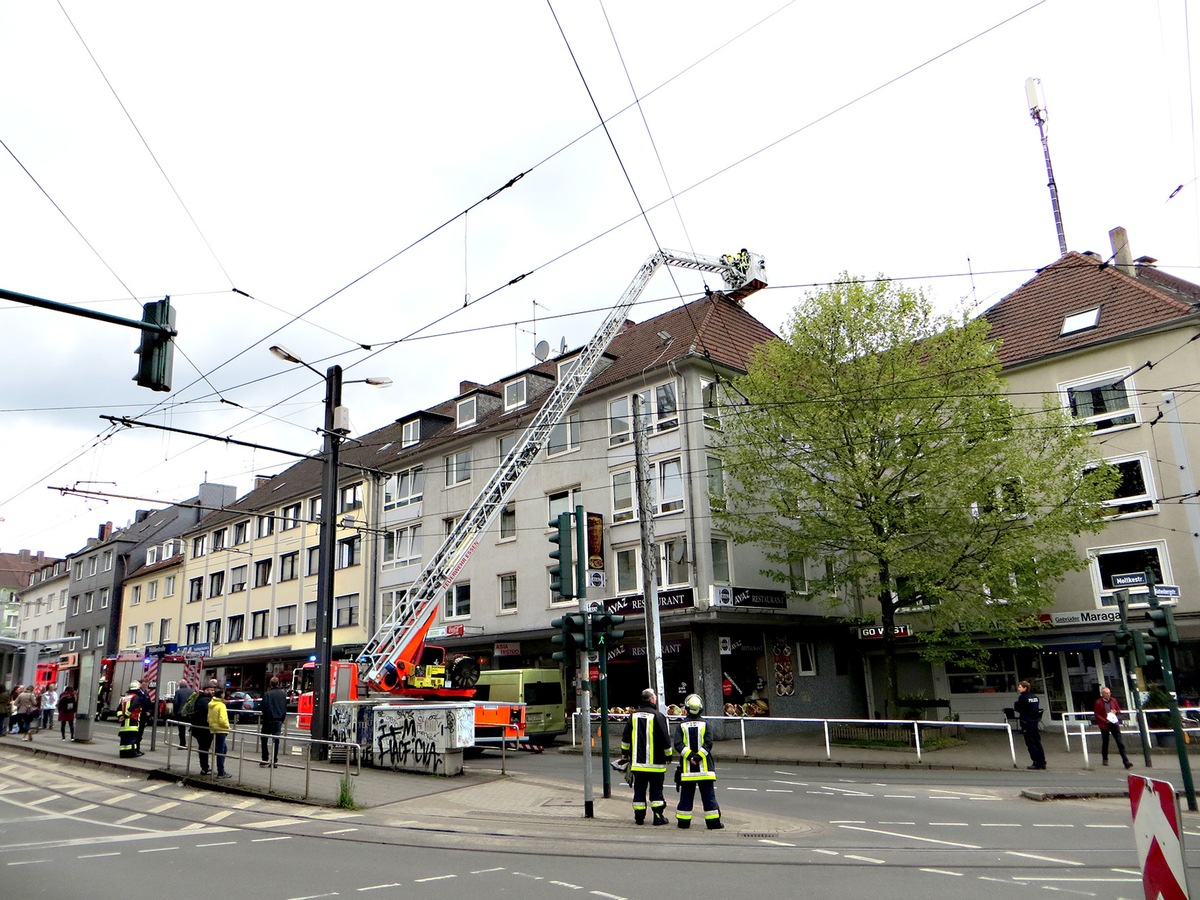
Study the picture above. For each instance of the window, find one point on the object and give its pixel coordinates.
(314, 509)
(458, 601)
(240, 532)
(561, 502)
(666, 407)
(236, 629)
(628, 571)
(806, 659)
(62, 598)
(1105, 401)
(514, 394)
(716, 482)
(410, 433)
(504, 446)
(719, 547)
(172, 547)
(151, 592)
(78, 569)
(345, 610)
(710, 400)
(291, 517)
(104, 598)
(1080, 321)
(349, 552)
(212, 631)
(133, 633)
(288, 563)
(259, 623)
(458, 468)
(673, 563)
(670, 485)
(313, 565)
(310, 615)
(1135, 493)
(466, 412)
(164, 630)
(107, 561)
(216, 584)
(192, 632)
(350, 497)
(266, 526)
(101, 635)
(199, 545)
(798, 576)
(91, 563)
(218, 539)
(508, 593)
(508, 523)
(195, 589)
(404, 488)
(623, 508)
(168, 585)
(402, 547)
(620, 427)
(564, 437)
(1108, 563)
(262, 572)
(285, 620)
(237, 579)
(135, 596)
(85, 645)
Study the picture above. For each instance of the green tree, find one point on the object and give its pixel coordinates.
(877, 437)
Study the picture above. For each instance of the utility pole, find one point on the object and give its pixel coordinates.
(645, 498)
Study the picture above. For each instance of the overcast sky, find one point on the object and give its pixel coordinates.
(319, 157)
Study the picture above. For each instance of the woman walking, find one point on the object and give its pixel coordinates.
(68, 706)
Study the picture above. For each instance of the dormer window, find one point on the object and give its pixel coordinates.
(1080, 321)
(514, 394)
(466, 412)
(410, 433)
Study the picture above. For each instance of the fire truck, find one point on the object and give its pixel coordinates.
(397, 660)
(159, 676)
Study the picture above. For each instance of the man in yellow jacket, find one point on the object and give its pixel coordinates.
(218, 727)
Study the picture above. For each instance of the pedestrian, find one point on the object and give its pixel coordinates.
(274, 712)
(1108, 719)
(1029, 719)
(697, 769)
(49, 705)
(146, 714)
(26, 709)
(5, 710)
(129, 711)
(200, 725)
(68, 706)
(178, 702)
(218, 727)
(646, 747)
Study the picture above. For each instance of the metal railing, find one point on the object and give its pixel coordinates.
(292, 758)
(1129, 726)
(916, 725)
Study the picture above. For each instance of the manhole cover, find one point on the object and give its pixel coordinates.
(562, 801)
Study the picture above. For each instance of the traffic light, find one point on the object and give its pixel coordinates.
(605, 628)
(1162, 623)
(156, 353)
(570, 637)
(1124, 641)
(562, 575)
(1145, 653)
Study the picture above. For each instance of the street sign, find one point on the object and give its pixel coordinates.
(596, 579)
(1158, 836)
(1167, 590)
(1129, 579)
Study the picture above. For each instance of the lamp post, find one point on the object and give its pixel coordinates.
(337, 426)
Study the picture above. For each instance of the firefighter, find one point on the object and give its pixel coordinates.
(646, 747)
(697, 768)
(129, 713)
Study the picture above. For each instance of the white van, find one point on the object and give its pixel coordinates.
(541, 690)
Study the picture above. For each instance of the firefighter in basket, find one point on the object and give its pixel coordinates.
(696, 768)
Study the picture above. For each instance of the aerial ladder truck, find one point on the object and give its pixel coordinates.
(397, 660)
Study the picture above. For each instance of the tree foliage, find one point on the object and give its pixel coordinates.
(877, 438)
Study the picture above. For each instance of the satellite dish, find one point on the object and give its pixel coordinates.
(562, 346)
(542, 350)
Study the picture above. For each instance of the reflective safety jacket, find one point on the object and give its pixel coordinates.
(647, 741)
(694, 746)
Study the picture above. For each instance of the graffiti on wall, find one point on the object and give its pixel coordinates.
(415, 740)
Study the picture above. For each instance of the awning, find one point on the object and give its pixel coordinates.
(1065, 643)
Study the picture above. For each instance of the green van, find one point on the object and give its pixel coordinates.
(541, 690)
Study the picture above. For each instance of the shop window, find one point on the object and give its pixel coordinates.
(999, 678)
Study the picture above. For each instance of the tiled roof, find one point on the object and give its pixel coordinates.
(1028, 322)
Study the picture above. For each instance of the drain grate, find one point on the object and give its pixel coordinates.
(758, 834)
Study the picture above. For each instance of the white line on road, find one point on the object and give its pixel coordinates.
(98, 855)
(487, 871)
(218, 816)
(529, 875)
(157, 849)
(1065, 862)
(45, 799)
(955, 824)
(273, 823)
(316, 896)
(1128, 872)
(1105, 826)
(779, 791)
(1026, 879)
(26, 862)
(132, 818)
(163, 807)
(434, 878)
(869, 859)
(278, 837)
(85, 808)
(912, 837)
(899, 796)
(999, 824)
(794, 783)
(825, 852)
(847, 821)
(750, 790)
(379, 887)
(1053, 825)
(776, 843)
(120, 798)
(340, 831)
(897, 823)
(608, 896)
(217, 844)
(567, 884)
(943, 872)
(151, 788)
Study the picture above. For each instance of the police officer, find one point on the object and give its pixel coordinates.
(646, 746)
(1029, 717)
(697, 769)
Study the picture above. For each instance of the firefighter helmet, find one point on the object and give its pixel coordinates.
(694, 704)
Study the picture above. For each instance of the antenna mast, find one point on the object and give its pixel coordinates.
(1040, 115)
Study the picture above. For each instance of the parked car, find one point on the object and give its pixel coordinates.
(244, 706)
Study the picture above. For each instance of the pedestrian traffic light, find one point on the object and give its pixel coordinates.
(562, 574)
(1145, 653)
(605, 628)
(1162, 623)
(1124, 641)
(156, 352)
(571, 637)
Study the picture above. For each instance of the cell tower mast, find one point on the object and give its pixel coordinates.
(1039, 114)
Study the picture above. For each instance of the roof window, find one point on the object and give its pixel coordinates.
(1080, 321)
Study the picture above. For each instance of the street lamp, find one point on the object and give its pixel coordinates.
(337, 426)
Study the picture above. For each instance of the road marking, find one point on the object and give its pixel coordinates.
(336, 815)
(20, 790)
(1053, 825)
(999, 824)
(779, 791)
(132, 818)
(567, 884)
(241, 804)
(163, 807)
(1065, 862)
(1105, 826)
(157, 849)
(869, 859)
(316, 896)
(912, 837)
(278, 837)
(943, 872)
(775, 843)
(486, 871)
(433, 878)
(608, 896)
(751, 790)
(340, 831)
(120, 798)
(98, 855)
(899, 796)
(216, 844)
(26, 862)
(847, 822)
(955, 824)
(848, 792)
(1128, 872)
(1023, 879)
(794, 783)
(897, 823)
(151, 788)
(273, 823)
(379, 887)
(524, 875)
(85, 808)
(826, 852)
(218, 816)
(46, 799)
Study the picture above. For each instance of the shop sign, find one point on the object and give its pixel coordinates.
(638, 651)
(680, 598)
(748, 598)
(444, 631)
(506, 648)
(1085, 617)
(875, 632)
(68, 661)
